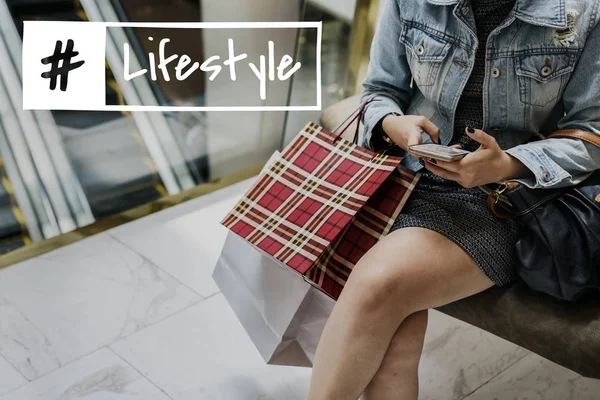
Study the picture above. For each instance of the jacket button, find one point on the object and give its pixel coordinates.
(546, 175)
(546, 71)
(598, 198)
(420, 50)
(495, 72)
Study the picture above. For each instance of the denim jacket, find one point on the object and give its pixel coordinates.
(542, 74)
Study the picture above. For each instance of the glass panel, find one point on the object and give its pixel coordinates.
(62, 170)
(338, 24)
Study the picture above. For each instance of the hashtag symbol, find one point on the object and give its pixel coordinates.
(56, 69)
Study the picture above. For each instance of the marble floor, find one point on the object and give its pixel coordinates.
(133, 313)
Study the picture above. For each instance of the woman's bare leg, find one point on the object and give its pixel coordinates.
(398, 375)
(411, 270)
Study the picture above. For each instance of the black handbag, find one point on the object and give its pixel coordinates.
(558, 251)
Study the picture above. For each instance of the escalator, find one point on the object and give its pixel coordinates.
(13, 231)
(104, 148)
(105, 162)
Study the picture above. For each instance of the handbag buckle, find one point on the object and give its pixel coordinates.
(499, 191)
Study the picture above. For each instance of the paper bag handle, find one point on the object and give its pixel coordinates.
(356, 116)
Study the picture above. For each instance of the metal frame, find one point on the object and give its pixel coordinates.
(65, 191)
(161, 99)
(25, 165)
(365, 21)
(154, 128)
(20, 191)
(35, 143)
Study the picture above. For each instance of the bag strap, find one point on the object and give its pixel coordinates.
(496, 201)
(356, 116)
(576, 134)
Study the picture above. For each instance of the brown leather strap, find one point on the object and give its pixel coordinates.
(503, 211)
(499, 209)
(576, 134)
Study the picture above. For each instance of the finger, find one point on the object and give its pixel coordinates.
(452, 176)
(456, 146)
(454, 166)
(481, 137)
(430, 128)
(474, 158)
(414, 138)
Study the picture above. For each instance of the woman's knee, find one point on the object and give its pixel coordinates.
(411, 270)
(384, 285)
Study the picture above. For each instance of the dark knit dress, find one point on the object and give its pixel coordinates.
(460, 214)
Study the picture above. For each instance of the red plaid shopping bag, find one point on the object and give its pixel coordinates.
(372, 222)
(306, 208)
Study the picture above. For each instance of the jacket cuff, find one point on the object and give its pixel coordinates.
(373, 115)
(545, 172)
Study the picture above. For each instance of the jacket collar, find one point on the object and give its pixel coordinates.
(551, 13)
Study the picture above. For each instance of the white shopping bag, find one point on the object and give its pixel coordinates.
(283, 315)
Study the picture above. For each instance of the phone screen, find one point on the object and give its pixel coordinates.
(439, 152)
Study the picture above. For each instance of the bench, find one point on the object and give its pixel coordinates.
(567, 334)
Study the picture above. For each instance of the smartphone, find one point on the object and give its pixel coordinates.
(438, 152)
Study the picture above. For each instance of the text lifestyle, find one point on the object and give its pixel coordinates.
(183, 69)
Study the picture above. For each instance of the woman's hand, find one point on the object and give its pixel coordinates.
(487, 165)
(407, 130)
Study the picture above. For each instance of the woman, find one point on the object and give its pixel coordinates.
(486, 75)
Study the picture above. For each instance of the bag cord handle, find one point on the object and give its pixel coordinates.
(356, 116)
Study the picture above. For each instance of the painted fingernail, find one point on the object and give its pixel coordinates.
(471, 130)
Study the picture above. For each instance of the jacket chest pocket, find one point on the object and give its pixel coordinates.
(543, 78)
(425, 53)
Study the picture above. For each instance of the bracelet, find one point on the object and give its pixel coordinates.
(385, 137)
